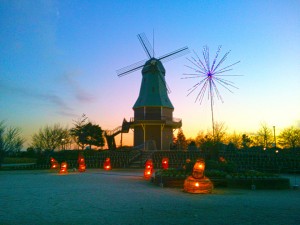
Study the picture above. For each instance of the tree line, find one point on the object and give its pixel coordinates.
(265, 137)
(85, 134)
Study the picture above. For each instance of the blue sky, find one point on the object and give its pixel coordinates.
(59, 60)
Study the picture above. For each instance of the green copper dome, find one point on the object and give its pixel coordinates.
(153, 90)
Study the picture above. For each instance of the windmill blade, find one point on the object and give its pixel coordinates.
(129, 69)
(146, 44)
(174, 54)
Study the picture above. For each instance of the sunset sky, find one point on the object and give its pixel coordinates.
(59, 60)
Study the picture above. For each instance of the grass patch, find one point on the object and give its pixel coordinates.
(16, 160)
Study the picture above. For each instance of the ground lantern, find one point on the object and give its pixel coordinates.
(107, 164)
(63, 167)
(148, 169)
(81, 163)
(198, 183)
(54, 163)
(165, 163)
(198, 169)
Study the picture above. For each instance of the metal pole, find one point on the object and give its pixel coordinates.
(212, 110)
(212, 119)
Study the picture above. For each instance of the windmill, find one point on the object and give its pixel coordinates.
(153, 120)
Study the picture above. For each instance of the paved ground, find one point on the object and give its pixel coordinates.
(123, 197)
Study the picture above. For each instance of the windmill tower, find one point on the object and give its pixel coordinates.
(153, 111)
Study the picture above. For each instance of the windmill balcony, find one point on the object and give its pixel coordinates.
(173, 122)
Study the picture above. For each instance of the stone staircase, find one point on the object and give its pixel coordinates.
(140, 160)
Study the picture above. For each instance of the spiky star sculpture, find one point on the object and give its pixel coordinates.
(210, 76)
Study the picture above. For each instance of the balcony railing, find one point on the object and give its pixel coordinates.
(163, 118)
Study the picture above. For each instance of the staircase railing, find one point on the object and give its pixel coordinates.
(113, 132)
(110, 134)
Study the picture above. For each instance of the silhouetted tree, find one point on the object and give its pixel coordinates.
(181, 142)
(77, 131)
(191, 145)
(10, 141)
(235, 139)
(220, 132)
(264, 137)
(92, 134)
(246, 141)
(290, 138)
(205, 143)
(200, 138)
(87, 134)
(51, 138)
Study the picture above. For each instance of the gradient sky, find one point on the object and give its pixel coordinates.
(59, 60)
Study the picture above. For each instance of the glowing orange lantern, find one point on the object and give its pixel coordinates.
(81, 159)
(147, 174)
(198, 186)
(165, 163)
(198, 183)
(198, 169)
(81, 167)
(63, 167)
(54, 163)
(148, 169)
(81, 163)
(149, 164)
(107, 164)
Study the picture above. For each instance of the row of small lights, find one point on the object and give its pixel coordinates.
(149, 168)
(81, 168)
(106, 166)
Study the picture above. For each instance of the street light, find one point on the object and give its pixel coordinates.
(63, 143)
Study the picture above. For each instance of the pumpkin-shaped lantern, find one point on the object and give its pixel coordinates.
(81, 163)
(63, 167)
(198, 183)
(107, 164)
(54, 163)
(165, 163)
(198, 170)
(148, 169)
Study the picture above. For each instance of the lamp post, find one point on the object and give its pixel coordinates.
(63, 144)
